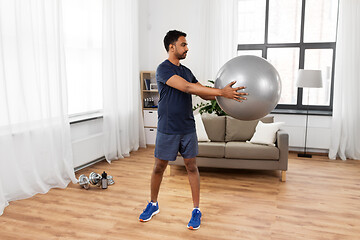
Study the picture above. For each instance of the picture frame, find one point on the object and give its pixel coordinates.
(153, 86)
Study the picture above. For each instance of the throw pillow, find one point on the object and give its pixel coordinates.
(200, 129)
(239, 130)
(265, 133)
(215, 126)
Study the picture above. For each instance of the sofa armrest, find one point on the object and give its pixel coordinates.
(282, 142)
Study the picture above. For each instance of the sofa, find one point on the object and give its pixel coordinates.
(229, 146)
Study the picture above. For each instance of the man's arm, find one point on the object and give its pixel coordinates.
(206, 97)
(204, 92)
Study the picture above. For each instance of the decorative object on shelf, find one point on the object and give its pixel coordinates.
(102, 181)
(153, 86)
(308, 79)
(149, 103)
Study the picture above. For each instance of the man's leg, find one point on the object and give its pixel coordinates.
(166, 147)
(156, 178)
(194, 179)
(153, 207)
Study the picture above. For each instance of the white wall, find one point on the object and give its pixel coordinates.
(159, 16)
(318, 133)
(87, 141)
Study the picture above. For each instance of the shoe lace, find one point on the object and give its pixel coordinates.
(195, 215)
(148, 206)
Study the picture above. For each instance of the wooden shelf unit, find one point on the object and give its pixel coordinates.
(145, 93)
(149, 113)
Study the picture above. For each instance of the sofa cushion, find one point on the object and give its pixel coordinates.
(243, 150)
(214, 126)
(200, 129)
(238, 130)
(211, 149)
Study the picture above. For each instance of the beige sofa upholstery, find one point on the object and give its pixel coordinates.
(228, 147)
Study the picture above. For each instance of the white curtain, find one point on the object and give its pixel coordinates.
(345, 141)
(219, 31)
(83, 34)
(123, 123)
(35, 146)
(220, 35)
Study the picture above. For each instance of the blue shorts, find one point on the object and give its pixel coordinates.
(167, 146)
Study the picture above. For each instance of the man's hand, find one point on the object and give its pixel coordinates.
(232, 93)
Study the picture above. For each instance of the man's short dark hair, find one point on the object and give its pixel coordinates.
(171, 38)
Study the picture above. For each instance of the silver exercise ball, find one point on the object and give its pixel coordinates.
(262, 82)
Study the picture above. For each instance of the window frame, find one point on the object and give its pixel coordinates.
(302, 47)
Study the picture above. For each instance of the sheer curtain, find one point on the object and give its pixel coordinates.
(219, 31)
(220, 35)
(345, 139)
(82, 39)
(123, 124)
(35, 146)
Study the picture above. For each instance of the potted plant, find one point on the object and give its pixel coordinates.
(210, 106)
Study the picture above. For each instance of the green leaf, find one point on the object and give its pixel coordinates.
(211, 106)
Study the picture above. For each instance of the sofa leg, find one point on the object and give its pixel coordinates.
(169, 171)
(283, 176)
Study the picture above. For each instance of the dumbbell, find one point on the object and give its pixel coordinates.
(95, 178)
(84, 181)
(110, 180)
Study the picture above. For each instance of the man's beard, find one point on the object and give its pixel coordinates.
(181, 56)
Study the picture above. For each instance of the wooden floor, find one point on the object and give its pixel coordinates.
(319, 200)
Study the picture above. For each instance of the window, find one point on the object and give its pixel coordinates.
(250, 52)
(286, 61)
(251, 21)
(83, 34)
(284, 21)
(292, 35)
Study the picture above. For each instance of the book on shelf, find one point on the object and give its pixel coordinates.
(147, 83)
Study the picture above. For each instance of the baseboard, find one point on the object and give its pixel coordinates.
(89, 163)
(317, 151)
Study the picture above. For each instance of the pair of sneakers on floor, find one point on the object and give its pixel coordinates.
(153, 208)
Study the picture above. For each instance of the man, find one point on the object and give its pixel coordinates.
(176, 126)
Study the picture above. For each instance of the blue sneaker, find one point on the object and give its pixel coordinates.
(149, 211)
(195, 220)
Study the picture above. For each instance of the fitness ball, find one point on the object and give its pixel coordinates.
(262, 82)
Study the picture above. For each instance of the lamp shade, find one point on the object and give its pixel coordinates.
(309, 79)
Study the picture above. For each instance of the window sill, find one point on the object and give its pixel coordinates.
(301, 112)
(83, 117)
